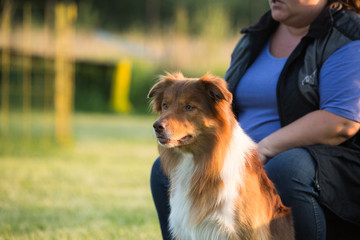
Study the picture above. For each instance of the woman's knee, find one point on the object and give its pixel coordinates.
(158, 177)
(292, 172)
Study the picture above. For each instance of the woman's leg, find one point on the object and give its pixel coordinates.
(159, 189)
(293, 173)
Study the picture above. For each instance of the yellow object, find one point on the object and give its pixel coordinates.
(121, 87)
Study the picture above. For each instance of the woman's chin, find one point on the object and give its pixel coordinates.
(278, 15)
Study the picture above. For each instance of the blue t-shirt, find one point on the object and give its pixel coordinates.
(339, 89)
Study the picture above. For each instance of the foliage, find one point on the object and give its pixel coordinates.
(94, 82)
(144, 76)
(191, 36)
(93, 86)
(148, 14)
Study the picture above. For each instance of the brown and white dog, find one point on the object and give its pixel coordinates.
(218, 188)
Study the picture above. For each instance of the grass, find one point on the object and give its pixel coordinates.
(97, 189)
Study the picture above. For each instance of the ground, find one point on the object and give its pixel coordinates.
(98, 188)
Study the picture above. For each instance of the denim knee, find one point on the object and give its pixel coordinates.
(158, 176)
(160, 193)
(292, 171)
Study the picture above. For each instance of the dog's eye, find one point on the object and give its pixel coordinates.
(189, 107)
(164, 106)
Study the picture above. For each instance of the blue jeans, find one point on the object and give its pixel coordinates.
(293, 173)
(160, 192)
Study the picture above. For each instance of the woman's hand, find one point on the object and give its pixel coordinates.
(264, 152)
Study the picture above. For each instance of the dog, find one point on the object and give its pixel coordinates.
(218, 188)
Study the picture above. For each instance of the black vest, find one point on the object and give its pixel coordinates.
(338, 171)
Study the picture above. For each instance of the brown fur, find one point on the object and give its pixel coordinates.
(261, 207)
(205, 131)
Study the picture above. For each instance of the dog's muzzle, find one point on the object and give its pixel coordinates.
(165, 138)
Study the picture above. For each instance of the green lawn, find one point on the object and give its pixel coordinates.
(97, 189)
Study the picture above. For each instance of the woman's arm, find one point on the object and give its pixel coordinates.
(318, 127)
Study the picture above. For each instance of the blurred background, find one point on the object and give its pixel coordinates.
(76, 142)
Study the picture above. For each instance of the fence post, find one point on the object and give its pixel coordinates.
(65, 15)
(27, 71)
(5, 67)
(121, 87)
(48, 71)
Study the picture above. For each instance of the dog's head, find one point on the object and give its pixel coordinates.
(189, 108)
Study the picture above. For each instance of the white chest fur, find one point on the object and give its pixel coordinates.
(220, 224)
(179, 200)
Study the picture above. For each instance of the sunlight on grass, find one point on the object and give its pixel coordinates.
(98, 189)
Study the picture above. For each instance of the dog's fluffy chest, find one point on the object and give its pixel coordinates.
(220, 223)
(180, 217)
(179, 200)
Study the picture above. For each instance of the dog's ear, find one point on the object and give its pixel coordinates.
(157, 91)
(216, 88)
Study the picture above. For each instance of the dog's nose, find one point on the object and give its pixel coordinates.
(159, 126)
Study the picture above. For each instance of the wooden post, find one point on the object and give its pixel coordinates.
(5, 67)
(27, 71)
(65, 15)
(48, 68)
